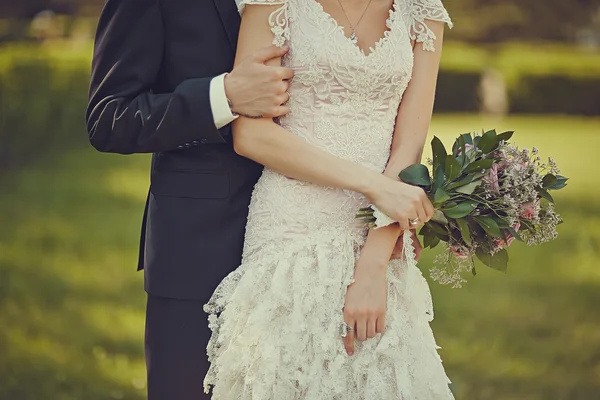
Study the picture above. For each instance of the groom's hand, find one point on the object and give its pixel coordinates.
(256, 89)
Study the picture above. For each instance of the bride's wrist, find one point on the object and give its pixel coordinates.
(372, 185)
(370, 268)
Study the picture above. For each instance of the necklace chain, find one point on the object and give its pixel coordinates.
(353, 36)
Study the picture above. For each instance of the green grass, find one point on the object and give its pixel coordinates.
(72, 305)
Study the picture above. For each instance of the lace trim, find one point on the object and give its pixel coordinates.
(421, 10)
(278, 20)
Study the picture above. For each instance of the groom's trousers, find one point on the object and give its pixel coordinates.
(176, 337)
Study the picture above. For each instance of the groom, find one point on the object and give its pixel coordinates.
(159, 86)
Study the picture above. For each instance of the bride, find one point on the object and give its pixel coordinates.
(312, 279)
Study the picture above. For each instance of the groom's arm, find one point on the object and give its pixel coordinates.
(125, 116)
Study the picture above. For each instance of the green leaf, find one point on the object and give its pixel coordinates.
(452, 167)
(549, 180)
(460, 210)
(416, 174)
(505, 136)
(439, 217)
(467, 138)
(439, 153)
(438, 180)
(465, 181)
(463, 226)
(501, 223)
(498, 261)
(456, 146)
(470, 188)
(488, 142)
(425, 230)
(436, 241)
(431, 241)
(462, 159)
(479, 165)
(515, 234)
(440, 196)
(561, 182)
(545, 195)
(489, 225)
(438, 229)
(478, 175)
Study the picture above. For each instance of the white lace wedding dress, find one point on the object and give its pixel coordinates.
(277, 319)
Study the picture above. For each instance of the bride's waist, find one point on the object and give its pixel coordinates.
(286, 199)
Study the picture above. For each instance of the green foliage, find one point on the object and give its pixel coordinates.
(556, 94)
(42, 103)
(540, 79)
(457, 91)
(497, 21)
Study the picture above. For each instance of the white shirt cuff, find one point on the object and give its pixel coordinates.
(218, 102)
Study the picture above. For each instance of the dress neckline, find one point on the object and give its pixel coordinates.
(375, 46)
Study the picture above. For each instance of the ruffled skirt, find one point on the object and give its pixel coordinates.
(277, 320)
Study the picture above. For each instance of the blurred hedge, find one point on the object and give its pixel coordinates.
(540, 79)
(43, 96)
(43, 90)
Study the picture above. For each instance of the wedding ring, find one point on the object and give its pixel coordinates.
(414, 222)
(345, 329)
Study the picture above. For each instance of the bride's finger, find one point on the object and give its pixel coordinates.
(371, 328)
(380, 324)
(349, 340)
(361, 329)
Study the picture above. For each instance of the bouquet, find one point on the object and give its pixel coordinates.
(486, 194)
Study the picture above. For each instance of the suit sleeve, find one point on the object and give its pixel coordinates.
(124, 115)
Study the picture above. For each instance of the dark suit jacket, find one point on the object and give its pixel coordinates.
(153, 62)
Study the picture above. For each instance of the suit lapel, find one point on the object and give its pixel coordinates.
(230, 18)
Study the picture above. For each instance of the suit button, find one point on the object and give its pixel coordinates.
(180, 147)
(187, 145)
(204, 140)
(195, 143)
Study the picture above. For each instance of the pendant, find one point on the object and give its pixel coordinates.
(353, 38)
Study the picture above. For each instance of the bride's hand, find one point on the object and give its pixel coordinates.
(397, 253)
(401, 202)
(366, 301)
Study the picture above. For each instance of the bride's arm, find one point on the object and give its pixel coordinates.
(410, 133)
(265, 142)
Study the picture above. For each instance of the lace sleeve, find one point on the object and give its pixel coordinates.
(418, 12)
(278, 20)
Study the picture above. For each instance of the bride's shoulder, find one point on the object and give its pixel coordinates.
(417, 12)
(242, 3)
(429, 9)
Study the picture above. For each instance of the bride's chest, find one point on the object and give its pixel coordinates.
(321, 53)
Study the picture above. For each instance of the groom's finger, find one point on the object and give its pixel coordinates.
(268, 53)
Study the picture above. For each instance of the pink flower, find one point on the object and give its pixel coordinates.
(458, 253)
(467, 148)
(502, 165)
(529, 210)
(509, 237)
(492, 178)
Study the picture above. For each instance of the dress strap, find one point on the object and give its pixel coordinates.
(420, 10)
(278, 20)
